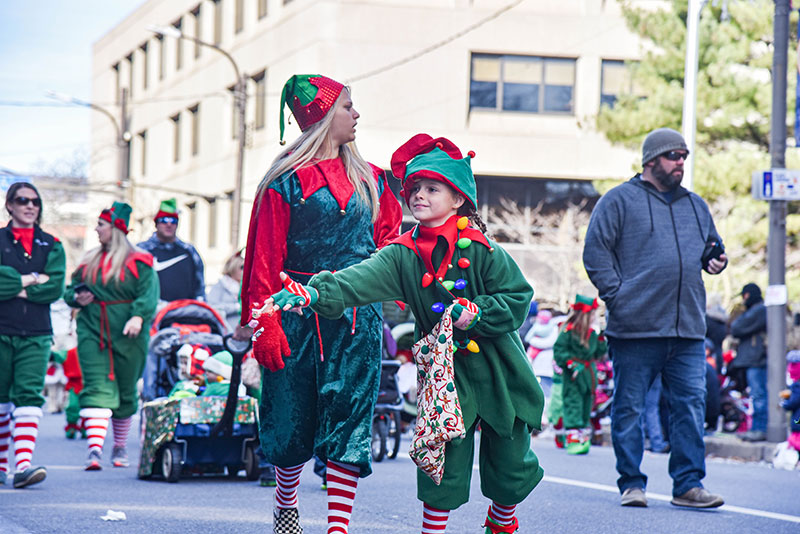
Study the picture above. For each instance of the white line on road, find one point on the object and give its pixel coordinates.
(666, 498)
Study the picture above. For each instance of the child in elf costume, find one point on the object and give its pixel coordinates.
(576, 351)
(790, 398)
(117, 290)
(218, 369)
(443, 260)
(72, 370)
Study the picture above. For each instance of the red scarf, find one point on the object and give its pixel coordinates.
(426, 240)
(25, 237)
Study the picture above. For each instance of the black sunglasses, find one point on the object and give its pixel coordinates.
(23, 201)
(675, 155)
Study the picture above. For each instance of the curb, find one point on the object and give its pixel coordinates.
(734, 448)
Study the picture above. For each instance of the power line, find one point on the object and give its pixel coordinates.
(435, 46)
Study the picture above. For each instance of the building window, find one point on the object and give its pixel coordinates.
(615, 80)
(178, 45)
(522, 83)
(176, 136)
(162, 55)
(197, 30)
(260, 80)
(145, 65)
(262, 9)
(115, 68)
(212, 222)
(239, 16)
(217, 21)
(234, 113)
(129, 58)
(195, 120)
(143, 151)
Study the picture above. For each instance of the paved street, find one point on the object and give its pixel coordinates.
(577, 495)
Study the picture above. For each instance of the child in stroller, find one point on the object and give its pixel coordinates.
(185, 434)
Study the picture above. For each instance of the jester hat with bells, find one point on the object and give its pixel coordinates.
(310, 97)
(438, 159)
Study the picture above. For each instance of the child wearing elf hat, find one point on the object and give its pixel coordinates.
(447, 263)
(116, 290)
(320, 206)
(179, 266)
(576, 351)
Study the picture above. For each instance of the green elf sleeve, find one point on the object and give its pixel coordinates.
(69, 292)
(10, 282)
(601, 346)
(56, 269)
(562, 350)
(148, 291)
(375, 279)
(507, 295)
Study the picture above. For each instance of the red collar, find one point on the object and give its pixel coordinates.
(422, 240)
(25, 237)
(330, 172)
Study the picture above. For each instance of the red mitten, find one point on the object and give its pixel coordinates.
(270, 346)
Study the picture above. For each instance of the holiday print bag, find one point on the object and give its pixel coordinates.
(439, 417)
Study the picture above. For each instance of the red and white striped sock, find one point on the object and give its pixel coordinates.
(26, 429)
(287, 479)
(342, 482)
(121, 428)
(434, 521)
(502, 514)
(5, 434)
(96, 427)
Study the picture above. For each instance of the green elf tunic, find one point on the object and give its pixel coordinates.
(496, 385)
(579, 363)
(112, 362)
(25, 331)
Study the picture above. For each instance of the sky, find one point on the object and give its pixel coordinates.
(47, 45)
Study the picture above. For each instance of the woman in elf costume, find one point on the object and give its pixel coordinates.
(445, 259)
(32, 266)
(320, 206)
(576, 351)
(116, 290)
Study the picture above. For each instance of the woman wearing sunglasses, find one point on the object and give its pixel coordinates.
(32, 265)
(117, 290)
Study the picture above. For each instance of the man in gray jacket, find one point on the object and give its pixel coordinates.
(647, 241)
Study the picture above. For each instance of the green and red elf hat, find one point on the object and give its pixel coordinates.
(584, 304)
(438, 159)
(310, 97)
(168, 208)
(119, 215)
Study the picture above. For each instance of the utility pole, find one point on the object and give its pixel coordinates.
(689, 122)
(776, 242)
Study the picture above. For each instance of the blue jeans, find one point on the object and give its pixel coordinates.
(652, 416)
(681, 363)
(757, 382)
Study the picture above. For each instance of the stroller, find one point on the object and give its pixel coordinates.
(196, 434)
(386, 422)
(603, 396)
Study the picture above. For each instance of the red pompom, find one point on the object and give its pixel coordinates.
(439, 145)
(463, 301)
(471, 153)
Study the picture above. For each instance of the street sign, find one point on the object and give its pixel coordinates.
(776, 184)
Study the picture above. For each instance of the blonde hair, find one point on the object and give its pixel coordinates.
(233, 264)
(300, 153)
(581, 325)
(117, 251)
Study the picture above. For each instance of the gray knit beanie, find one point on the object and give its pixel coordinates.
(661, 141)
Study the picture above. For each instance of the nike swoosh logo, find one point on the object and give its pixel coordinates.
(166, 264)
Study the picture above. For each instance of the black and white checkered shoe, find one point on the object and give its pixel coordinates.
(286, 521)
